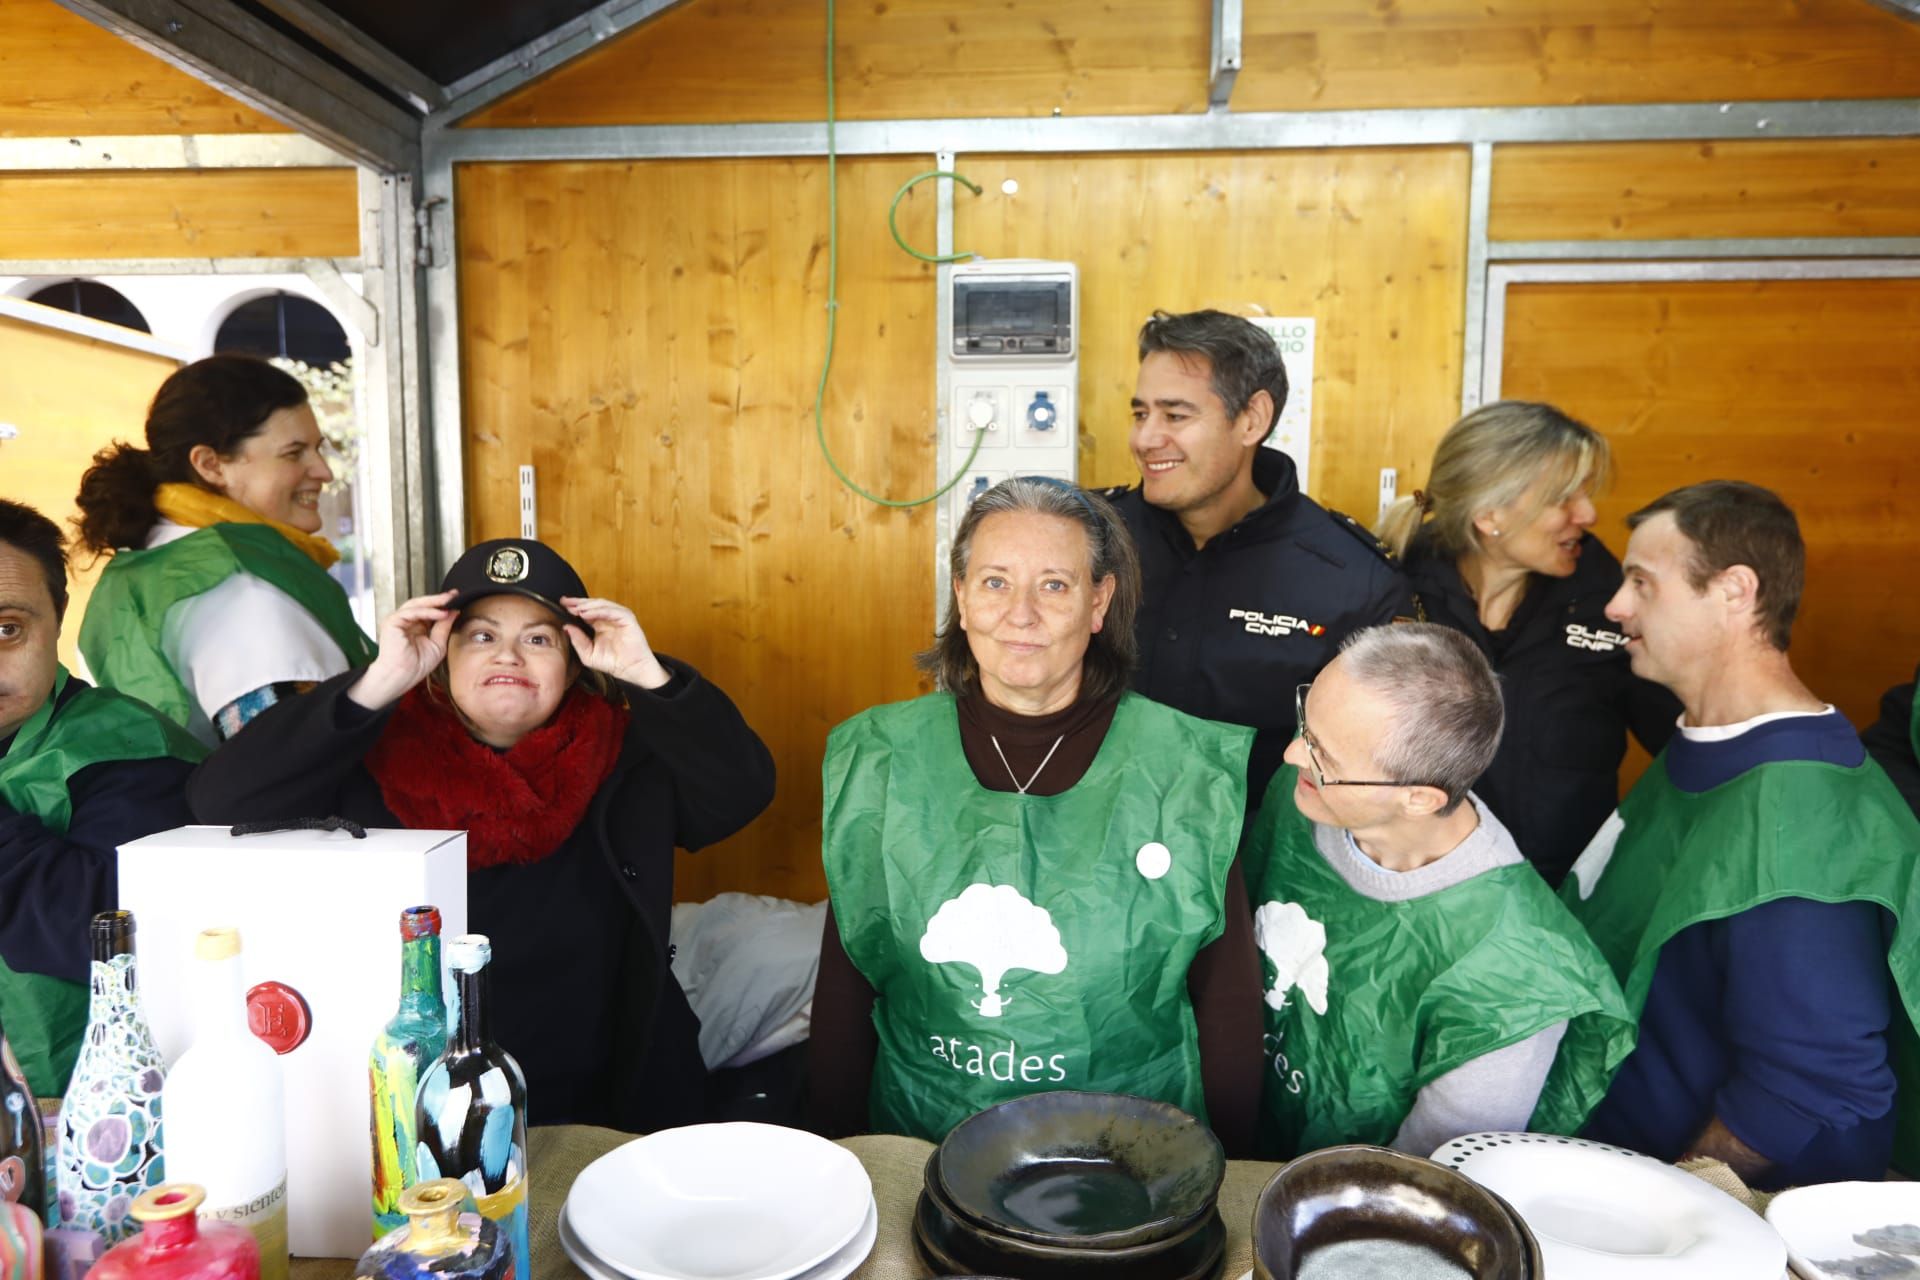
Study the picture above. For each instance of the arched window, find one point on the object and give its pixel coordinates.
(93, 300)
(287, 325)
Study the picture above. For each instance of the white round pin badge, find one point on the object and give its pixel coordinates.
(1154, 860)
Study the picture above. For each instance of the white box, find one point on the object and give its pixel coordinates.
(319, 911)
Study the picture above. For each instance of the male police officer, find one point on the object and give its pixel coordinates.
(1249, 585)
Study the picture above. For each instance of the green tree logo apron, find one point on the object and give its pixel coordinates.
(45, 1016)
(120, 636)
(1670, 859)
(1023, 943)
(1369, 1002)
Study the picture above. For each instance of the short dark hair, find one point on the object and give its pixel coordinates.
(1242, 355)
(1111, 653)
(1730, 522)
(26, 530)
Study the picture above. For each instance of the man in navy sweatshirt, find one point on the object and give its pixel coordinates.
(1747, 890)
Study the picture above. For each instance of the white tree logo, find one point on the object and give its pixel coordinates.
(1296, 943)
(993, 928)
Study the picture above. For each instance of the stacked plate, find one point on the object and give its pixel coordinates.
(1605, 1213)
(1074, 1186)
(721, 1202)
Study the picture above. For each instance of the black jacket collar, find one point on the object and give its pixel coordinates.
(1275, 476)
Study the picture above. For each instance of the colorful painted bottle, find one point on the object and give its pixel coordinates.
(225, 1107)
(472, 1111)
(23, 1161)
(174, 1244)
(110, 1139)
(412, 1041)
(22, 1255)
(438, 1241)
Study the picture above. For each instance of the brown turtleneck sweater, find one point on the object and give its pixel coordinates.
(1223, 981)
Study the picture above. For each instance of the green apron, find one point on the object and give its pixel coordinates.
(1670, 859)
(1019, 943)
(1369, 1002)
(45, 1016)
(120, 637)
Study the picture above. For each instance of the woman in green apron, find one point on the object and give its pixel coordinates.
(1032, 871)
(217, 602)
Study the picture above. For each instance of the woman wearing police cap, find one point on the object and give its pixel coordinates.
(537, 718)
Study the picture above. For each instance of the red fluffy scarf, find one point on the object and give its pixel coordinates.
(516, 806)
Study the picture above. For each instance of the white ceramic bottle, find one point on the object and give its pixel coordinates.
(225, 1107)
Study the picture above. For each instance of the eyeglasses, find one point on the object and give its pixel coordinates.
(1320, 778)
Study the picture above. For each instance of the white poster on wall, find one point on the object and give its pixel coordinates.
(1293, 434)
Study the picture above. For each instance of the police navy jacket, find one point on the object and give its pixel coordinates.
(1570, 697)
(1227, 631)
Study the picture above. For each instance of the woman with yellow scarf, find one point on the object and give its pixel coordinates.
(217, 602)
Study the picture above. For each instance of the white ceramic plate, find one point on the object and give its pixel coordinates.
(1602, 1213)
(1851, 1230)
(838, 1267)
(720, 1202)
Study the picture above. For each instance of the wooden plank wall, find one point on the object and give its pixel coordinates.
(648, 334)
(67, 396)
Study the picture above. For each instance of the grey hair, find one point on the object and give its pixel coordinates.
(1241, 356)
(1112, 653)
(1447, 711)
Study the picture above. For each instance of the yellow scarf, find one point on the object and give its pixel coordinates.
(197, 508)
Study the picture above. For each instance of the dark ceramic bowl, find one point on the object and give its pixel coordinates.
(950, 1250)
(1080, 1170)
(1345, 1195)
(997, 1244)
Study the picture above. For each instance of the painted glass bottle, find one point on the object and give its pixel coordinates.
(472, 1111)
(412, 1041)
(438, 1242)
(110, 1136)
(174, 1244)
(225, 1108)
(23, 1162)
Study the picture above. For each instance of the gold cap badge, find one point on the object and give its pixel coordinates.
(508, 564)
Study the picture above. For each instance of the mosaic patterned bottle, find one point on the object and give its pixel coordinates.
(110, 1122)
(413, 1040)
(438, 1242)
(472, 1112)
(173, 1244)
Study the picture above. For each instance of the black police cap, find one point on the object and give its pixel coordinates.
(512, 566)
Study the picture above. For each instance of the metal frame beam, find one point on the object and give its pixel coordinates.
(481, 89)
(396, 74)
(1663, 250)
(1501, 277)
(171, 266)
(239, 54)
(1905, 8)
(178, 151)
(1473, 328)
(92, 330)
(1235, 131)
(1224, 65)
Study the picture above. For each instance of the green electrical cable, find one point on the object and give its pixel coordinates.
(901, 194)
(833, 307)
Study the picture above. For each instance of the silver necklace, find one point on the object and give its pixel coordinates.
(1036, 773)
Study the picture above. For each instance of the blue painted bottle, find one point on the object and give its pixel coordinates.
(438, 1241)
(472, 1111)
(413, 1040)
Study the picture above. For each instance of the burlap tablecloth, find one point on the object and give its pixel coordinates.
(558, 1155)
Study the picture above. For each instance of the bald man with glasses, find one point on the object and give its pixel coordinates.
(1422, 980)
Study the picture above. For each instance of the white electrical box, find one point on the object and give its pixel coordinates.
(1014, 384)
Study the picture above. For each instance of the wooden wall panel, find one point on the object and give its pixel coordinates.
(1328, 54)
(1370, 243)
(649, 337)
(208, 213)
(67, 397)
(714, 61)
(1681, 190)
(736, 60)
(60, 74)
(1807, 387)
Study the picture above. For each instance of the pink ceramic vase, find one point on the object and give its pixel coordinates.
(173, 1244)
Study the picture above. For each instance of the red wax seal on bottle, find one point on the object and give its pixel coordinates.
(278, 1016)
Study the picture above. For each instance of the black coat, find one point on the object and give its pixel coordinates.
(1889, 740)
(1226, 631)
(1570, 696)
(622, 1051)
